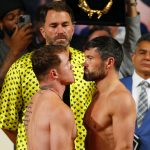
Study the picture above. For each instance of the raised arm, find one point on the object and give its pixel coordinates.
(133, 33)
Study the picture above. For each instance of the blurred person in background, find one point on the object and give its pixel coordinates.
(14, 40)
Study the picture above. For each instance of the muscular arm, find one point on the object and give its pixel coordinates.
(62, 129)
(123, 121)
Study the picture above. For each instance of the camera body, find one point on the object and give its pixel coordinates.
(23, 19)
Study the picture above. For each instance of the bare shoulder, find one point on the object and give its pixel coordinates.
(120, 98)
(63, 113)
(50, 104)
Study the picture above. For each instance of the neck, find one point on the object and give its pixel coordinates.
(58, 90)
(108, 82)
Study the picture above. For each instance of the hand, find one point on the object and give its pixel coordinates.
(20, 39)
(131, 9)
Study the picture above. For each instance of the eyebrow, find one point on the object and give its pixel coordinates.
(143, 49)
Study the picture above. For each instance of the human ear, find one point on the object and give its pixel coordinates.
(54, 73)
(42, 30)
(110, 62)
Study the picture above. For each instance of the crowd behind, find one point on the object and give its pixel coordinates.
(18, 82)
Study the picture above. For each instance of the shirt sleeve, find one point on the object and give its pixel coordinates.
(10, 99)
(133, 33)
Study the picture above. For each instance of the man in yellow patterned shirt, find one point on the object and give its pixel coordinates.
(21, 84)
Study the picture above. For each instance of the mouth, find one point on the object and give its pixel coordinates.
(61, 37)
(146, 65)
(61, 41)
(85, 70)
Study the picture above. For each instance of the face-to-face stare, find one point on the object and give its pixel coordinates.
(11, 18)
(141, 59)
(93, 66)
(65, 71)
(58, 28)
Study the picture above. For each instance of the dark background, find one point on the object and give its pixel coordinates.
(115, 16)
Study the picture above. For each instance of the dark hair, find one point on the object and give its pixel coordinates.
(107, 47)
(54, 5)
(144, 37)
(10, 5)
(99, 28)
(46, 58)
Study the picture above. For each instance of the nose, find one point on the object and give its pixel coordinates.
(60, 29)
(147, 56)
(85, 64)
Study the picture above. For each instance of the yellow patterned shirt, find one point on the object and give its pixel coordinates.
(21, 84)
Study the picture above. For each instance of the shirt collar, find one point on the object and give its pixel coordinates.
(137, 79)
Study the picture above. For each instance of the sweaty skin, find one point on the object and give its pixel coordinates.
(56, 130)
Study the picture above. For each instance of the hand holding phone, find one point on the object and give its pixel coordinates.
(23, 20)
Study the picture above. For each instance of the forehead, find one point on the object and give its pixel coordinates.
(144, 45)
(91, 51)
(57, 16)
(13, 12)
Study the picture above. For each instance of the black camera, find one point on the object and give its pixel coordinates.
(24, 19)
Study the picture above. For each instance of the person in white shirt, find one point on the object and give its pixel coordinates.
(141, 94)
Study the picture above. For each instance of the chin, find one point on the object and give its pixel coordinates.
(61, 42)
(72, 81)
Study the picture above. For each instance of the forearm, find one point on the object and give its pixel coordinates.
(11, 134)
(133, 33)
(131, 8)
(133, 30)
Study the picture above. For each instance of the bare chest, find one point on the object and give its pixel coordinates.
(97, 116)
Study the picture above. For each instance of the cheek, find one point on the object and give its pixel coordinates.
(9, 24)
(69, 31)
(137, 60)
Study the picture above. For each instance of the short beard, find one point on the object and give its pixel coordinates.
(95, 76)
(50, 42)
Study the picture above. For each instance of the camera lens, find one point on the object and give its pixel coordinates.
(21, 19)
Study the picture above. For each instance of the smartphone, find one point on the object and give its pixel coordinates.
(24, 19)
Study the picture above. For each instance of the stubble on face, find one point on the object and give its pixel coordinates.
(94, 75)
(60, 39)
(58, 28)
